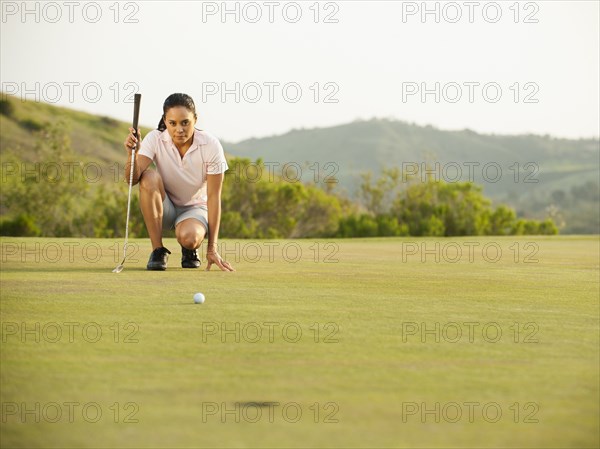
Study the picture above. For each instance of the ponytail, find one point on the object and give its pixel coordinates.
(161, 124)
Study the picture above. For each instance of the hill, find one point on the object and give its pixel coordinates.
(93, 137)
(528, 172)
(379, 143)
(536, 175)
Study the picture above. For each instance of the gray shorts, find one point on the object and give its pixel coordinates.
(173, 215)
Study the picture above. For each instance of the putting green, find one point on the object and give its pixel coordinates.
(467, 342)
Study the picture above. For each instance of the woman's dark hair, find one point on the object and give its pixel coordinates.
(175, 100)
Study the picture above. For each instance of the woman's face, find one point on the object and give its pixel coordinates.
(180, 123)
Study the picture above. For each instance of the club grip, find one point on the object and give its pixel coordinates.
(137, 99)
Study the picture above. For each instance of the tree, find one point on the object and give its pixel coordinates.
(502, 221)
(260, 204)
(47, 193)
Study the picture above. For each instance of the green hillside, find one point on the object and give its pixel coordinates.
(534, 170)
(94, 138)
(537, 172)
(379, 143)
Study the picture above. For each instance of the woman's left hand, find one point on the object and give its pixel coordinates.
(215, 258)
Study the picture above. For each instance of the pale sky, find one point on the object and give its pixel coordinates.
(539, 75)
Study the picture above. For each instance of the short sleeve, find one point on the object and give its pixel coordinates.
(150, 144)
(215, 158)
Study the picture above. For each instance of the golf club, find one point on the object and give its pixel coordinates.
(136, 114)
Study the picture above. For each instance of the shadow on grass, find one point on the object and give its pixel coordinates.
(260, 404)
(63, 269)
(47, 269)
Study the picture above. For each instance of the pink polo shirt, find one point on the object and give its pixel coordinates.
(185, 178)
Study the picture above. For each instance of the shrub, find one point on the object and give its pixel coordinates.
(22, 225)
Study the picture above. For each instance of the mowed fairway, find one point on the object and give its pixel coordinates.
(359, 343)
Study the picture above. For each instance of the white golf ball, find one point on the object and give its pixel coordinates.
(199, 298)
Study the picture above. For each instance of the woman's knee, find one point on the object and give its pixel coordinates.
(150, 181)
(190, 237)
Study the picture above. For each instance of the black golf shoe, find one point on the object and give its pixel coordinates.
(158, 259)
(189, 258)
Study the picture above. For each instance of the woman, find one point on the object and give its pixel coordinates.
(184, 191)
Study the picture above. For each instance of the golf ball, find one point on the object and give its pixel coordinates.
(199, 298)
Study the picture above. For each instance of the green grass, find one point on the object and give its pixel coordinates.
(363, 300)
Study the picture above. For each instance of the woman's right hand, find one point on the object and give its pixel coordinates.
(132, 141)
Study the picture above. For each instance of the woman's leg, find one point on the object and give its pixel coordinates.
(152, 195)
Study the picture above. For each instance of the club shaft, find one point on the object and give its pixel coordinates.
(128, 204)
(136, 115)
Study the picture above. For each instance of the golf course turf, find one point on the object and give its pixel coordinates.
(387, 342)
